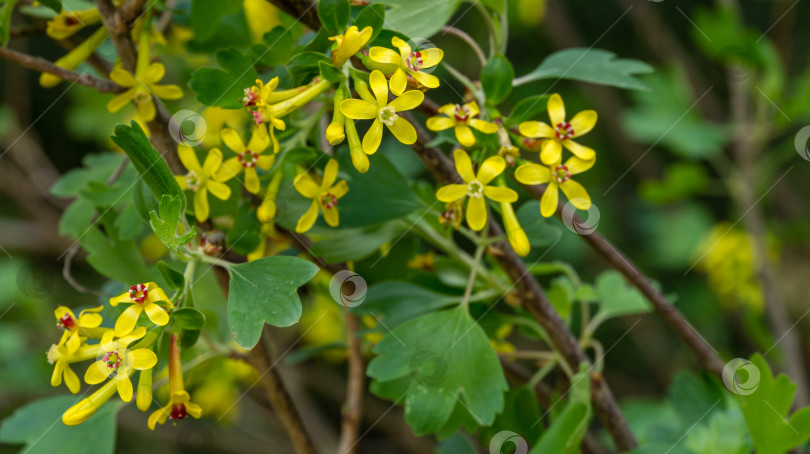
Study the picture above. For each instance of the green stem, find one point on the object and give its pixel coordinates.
(479, 252)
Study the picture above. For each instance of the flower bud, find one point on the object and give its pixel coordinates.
(359, 158)
(75, 57)
(517, 237)
(143, 397)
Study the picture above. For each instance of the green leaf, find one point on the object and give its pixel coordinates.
(55, 5)
(206, 16)
(265, 290)
(567, 430)
(118, 260)
(128, 223)
(418, 18)
(681, 180)
(520, 415)
(448, 358)
(335, 15)
(76, 217)
(725, 433)
(590, 65)
(174, 279)
(6, 11)
(371, 16)
(150, 165)
(276, 47)
(188, 318)
(38, 425)
(457, 444)
(329, 72)
(767, 409)
(527, 108)
(95, 168)
(496, 79)
(539, 230)
(307, 62)
(341, 245)
(144, 200)
(165, 225)
(215, 87)
(397, 301)
(692, 399)
(617, 297)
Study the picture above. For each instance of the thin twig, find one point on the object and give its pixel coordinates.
(467, 39)
(355, 386)
(44, 66)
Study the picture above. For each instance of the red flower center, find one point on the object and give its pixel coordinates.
(248, 158)
(71, 21)
(258, 117)
(561, 174)
(414, 61)
(462, 113)
(138, 293)
(329, 201)
(112, 359)
(178, 412)
(250, 98)
(66, 321)
(564, 131)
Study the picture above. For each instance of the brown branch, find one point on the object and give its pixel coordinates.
(119, 34)
(129, 12)
(305, 11)
(42, 65)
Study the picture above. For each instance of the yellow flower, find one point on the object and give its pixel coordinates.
(142, 86)
(59, 355)
(261, 17)
(75, 57)
(460, 117)
(407, 63)
(76, 327)
(247, 158)
(383, 112)
(87, 407)
(66, 23)
(514, 232)
(119, 362)
(144, 298)
(561, 134)
(556, 178)
(349, 44)
(200, 179)
(476, 187)
(325, 196)
(179, 405)
(424, 261)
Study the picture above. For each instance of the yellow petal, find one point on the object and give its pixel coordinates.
(212, 162)
(154, 73)
(252, 180)
(399, 81)
(167, 91)
(181, 181)
(581, 151)
(330, 173)
(373, 137)
(194, 409)
(306, 186)
(533, 174)
(404, 48)
(74, 342)
(556, 109)
(218, 189)
(201, 208)
(491, 168)
(464, 135)
(155, 293)
(158, 416)
(96, 373)
(72, 380)
(407, 100)
(463, 165)
(551, 152)
(265, 161)
(142, 358)
(431, 57)
(476, 213)
(440, 123)
(583, 122)
(232, 140)
(124, 386)
(428, 80)
(123, 77)
(189, 159)
(500, 194)
(259, 140)
(127, 320)
(576, 194)
(119, 101)
(58, 370)
(358, 109)
(156, 314)
(122, 298)
(403, 131)
(548, 204)
(577, 165)
(379, 86)
(330, 215)
(474, 110)
(484, 126)
(384, 55)
(536, 130)
(61, 311)
(146, 109)
(448, 109)
(340, 189)
(451, 192)
(90, 320)
(229, 169)
(308, 219)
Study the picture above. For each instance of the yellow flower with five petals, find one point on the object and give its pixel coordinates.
(141, 87)
(144, 298)
(324, 195)
(383, 113)
(557, 178)
(407, 63)
(118, 362)
(562, 132)
(476, 187)
(247, 157)
(460, 117)
(202, 179)
(62, 359)
(349, 44)
(76, 327)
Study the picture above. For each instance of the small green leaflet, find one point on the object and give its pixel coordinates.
(418, 18)
(335, 15)
(165, 226)
(496, 79)
(443, 357)
(567, 431)
(617, 298)
(265, 291)
(224, 88)
(589, 65)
